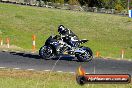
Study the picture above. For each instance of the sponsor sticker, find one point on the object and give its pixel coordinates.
(83, 78)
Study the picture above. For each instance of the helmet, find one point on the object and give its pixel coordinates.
(61, 28)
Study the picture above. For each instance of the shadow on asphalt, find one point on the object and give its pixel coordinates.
(25, 55)
(63, 57)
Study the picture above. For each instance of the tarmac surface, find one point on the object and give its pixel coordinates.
(29, 61)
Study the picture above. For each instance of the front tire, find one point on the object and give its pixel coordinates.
(46, 52)
(86, 56)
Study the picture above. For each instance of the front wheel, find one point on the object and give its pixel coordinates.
(86, 56)
(46, 52)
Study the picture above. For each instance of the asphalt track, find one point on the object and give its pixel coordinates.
(19, 60)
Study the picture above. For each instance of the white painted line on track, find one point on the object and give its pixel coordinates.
(17, 51)
(2, 67)
(72, 72)
(129, 60)
(5, 50)
(30, 69)
(59, 71)
(47, 70)
(113, 67)
(43, 70)
(16, 68)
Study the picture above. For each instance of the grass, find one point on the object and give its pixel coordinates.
(37, 79)
(108, 34)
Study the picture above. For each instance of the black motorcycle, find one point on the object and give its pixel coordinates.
(55, 46)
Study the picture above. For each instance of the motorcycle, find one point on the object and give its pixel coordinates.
(55, 46)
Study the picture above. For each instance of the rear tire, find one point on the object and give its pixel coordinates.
(46, 52)
(87, 56)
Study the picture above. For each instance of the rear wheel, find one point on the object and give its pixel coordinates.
(46, 52)
(86, 56)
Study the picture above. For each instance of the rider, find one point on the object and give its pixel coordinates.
(68, 36)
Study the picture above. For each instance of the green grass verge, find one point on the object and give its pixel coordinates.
(34, 79)
(107, 33)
